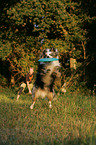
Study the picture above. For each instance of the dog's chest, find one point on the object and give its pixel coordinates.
(48, 71)
(42, 92)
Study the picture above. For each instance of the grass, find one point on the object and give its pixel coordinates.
(71, 121)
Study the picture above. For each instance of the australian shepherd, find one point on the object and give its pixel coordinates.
(46, 75)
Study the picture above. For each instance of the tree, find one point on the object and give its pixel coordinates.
(33, 25)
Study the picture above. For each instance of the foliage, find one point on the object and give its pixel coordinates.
(29, 26)
(52, 20)
(3, 81)
(35, 25)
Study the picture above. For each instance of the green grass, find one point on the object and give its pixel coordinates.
(71, 121)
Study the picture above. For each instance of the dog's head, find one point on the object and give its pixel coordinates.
(50, 53)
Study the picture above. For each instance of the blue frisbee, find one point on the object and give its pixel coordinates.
(48, 59)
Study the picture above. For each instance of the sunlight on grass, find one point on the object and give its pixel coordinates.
(71, 121)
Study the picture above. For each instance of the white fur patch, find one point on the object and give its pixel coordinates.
(41, 93)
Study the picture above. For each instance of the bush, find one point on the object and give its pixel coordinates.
(3, 81)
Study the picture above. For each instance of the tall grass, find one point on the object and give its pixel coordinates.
(71, 121)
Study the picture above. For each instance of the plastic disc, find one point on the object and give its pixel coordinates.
(48, 59)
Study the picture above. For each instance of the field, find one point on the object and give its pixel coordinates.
(71, 121)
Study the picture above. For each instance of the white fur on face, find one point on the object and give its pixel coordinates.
(48, 53)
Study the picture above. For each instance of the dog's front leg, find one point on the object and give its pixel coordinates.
(31, 107)
(50, 99)
(50, 105)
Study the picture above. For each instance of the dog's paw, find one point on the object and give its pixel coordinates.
(31, 107)
(50, 106)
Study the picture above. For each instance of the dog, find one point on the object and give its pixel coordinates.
(47, 72)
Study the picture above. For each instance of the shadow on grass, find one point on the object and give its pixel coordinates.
(26, 137)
